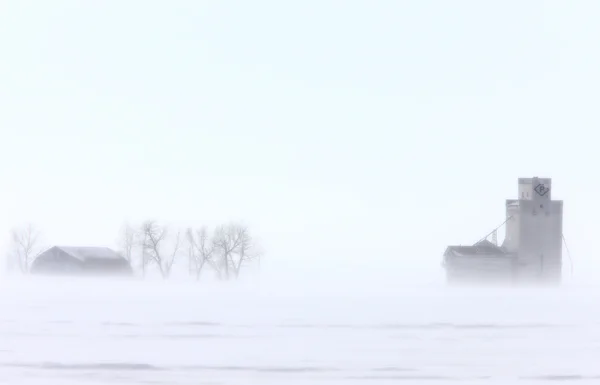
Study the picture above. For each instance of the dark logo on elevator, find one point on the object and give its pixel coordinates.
(541, 189)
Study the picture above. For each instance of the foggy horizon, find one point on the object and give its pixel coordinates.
(376, 144)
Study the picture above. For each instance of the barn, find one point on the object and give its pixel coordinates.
(69, 260)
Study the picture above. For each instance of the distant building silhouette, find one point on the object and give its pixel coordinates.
(68, 260)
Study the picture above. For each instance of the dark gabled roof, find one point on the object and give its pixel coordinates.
(86, 253)
(482, 248)
(486, 245)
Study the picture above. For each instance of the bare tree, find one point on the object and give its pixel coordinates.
(153, 245)
(247, 250)
(25, 246)
(235, 247)
(128, 242)
(200, 250)
(144, 260)
(225, 243)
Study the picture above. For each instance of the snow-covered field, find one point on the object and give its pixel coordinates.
(111, 332)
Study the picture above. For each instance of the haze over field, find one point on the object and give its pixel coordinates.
(351, 136)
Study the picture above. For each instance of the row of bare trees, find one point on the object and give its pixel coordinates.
(225, 250)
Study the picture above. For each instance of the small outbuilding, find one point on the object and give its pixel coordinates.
(481, 262)
(69, 260)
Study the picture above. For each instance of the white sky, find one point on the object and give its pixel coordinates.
(347, 134)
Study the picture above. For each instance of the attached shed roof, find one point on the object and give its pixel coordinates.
(482, 248)
(87, 253)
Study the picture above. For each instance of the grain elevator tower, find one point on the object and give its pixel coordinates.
(534, 232)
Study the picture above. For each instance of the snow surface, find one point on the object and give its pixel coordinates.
(64, 332)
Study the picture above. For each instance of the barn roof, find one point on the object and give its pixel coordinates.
(86, 253)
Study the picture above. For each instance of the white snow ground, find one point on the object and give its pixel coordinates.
(99, 332)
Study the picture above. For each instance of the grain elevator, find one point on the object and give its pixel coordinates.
(531, 251)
